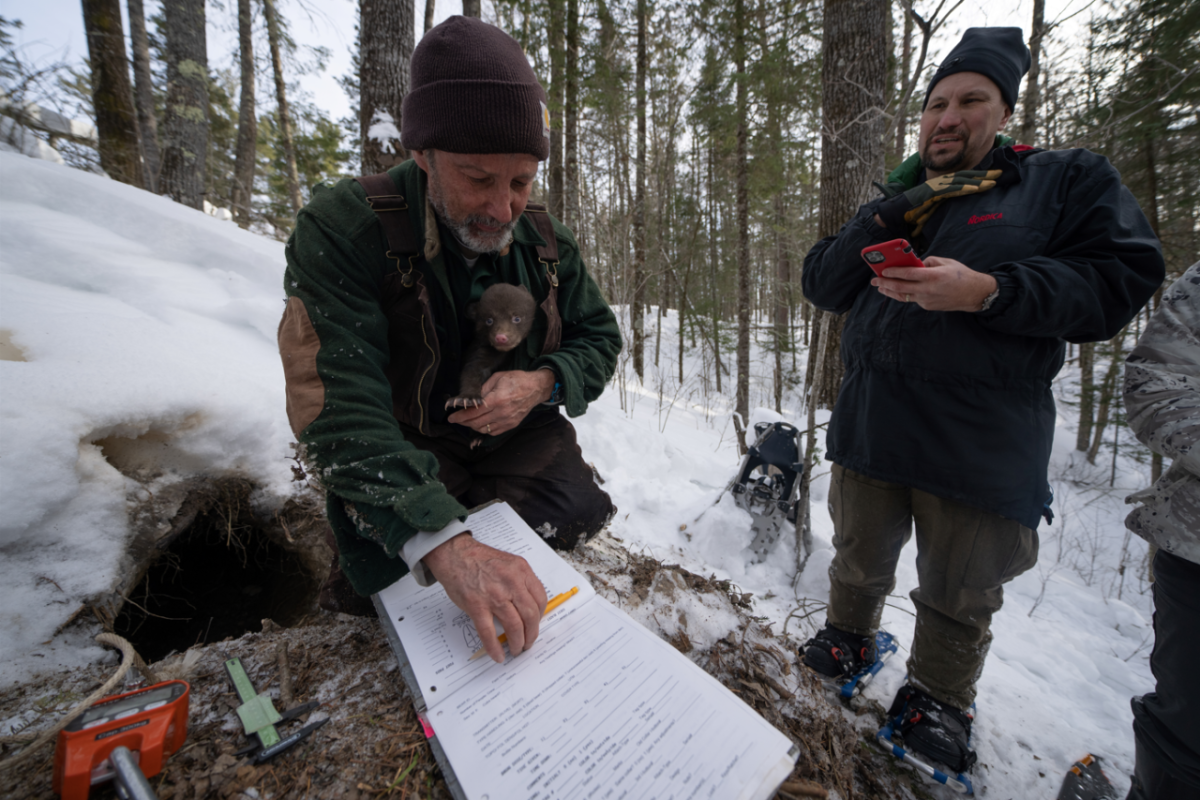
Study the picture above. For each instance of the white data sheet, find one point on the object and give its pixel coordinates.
(599, 707)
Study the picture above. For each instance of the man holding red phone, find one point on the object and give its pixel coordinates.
(945, 417)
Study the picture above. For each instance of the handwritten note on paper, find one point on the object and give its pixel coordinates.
(599, 707)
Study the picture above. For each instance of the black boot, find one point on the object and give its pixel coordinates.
(836, 653)
(933, 729)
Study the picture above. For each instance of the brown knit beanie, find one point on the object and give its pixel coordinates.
(473, 91)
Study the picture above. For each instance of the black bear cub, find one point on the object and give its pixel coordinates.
(503, 317)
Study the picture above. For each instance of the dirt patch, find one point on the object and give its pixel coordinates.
(373, 745)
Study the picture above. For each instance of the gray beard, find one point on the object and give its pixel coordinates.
(461, 228)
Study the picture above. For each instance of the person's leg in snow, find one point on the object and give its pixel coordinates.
(872, 521)
(964, 555)
(1164, 721)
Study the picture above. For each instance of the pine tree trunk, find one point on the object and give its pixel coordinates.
(781, 296)
(852, 78)
(247, 136)
(112, 96)
(430, 7)
(471, 8)
(1087, 395)
(906, 54)
(185, 124)
(712, 266)
(384, 50)
(636, 311)
(285, 119)
(571, 128)
(144, 95)
(1156, 459)
(742, 181)
(557, 98)
(1032, 98)
(1108, 392)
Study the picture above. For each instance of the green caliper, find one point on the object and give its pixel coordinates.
(258, 716)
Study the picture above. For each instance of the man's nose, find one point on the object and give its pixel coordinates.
(951, 119)
(499, 204)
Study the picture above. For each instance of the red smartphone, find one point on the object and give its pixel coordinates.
(896, 253)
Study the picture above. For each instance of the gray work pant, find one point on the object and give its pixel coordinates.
(964, 555)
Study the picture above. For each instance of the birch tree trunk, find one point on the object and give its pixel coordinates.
(571, 127)
(112, 96)
(471, 8)
(285, 119)
(185, 123)
(430, 7)
(247, 137)
(143, 96)
(557, 96)
(384, 49)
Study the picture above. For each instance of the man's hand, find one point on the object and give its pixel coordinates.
(943, 284)
(507, 398)
(488, 583)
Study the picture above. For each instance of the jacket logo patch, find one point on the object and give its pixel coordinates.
(976, 219)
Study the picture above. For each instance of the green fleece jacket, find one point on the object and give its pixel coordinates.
(337, 350)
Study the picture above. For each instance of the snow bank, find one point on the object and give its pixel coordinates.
(139, 342)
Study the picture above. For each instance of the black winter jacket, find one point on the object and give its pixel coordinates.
(959, 404)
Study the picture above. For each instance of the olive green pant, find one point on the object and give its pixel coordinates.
(964, 555)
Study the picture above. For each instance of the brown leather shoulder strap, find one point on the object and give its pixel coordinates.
(545, 226)
(548, 255)
(392, 210)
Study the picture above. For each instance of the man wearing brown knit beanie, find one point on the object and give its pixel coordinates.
(382, 275)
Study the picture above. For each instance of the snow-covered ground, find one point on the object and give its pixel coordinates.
(137, 338)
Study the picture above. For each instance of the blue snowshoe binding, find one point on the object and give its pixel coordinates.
(932, 732)
(845, 661)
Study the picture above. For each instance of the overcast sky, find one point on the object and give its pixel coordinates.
(53, 30)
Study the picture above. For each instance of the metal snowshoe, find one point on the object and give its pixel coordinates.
(767, 484)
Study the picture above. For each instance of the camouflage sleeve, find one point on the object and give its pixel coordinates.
(1162, 376)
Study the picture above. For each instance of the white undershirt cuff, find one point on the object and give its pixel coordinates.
(422, 544)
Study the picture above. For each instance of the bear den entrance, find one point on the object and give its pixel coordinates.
(218, 577)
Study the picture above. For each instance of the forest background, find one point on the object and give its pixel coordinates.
(698, 148)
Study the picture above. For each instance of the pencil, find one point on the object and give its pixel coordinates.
(554, 603)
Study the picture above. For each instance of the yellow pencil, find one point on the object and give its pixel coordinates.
(554, 603)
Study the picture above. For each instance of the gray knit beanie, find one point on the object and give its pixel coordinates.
(473, 91)
(998, 53)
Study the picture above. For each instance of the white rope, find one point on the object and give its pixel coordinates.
(127, 657)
